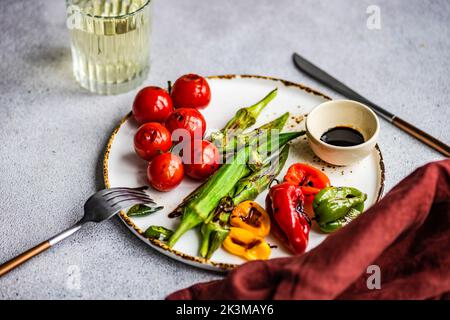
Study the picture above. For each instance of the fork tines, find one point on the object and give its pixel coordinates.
(123, 196)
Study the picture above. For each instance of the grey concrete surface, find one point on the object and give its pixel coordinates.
(52, 132)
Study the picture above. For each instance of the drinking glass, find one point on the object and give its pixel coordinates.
(110, 43)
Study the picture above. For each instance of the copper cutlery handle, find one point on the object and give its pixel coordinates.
(99, 207)
(17, 261)
(27, 255)
(422, 136)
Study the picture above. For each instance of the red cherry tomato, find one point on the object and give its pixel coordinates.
(191, 120)
(165, 172)
(151, 139)
(152, 104)
(204, 160)
(191, 91)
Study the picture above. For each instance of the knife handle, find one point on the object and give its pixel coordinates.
(422, 136)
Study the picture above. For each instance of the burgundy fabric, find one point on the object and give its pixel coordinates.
(407, 234)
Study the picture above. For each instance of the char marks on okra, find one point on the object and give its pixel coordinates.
(214, 230)
(219, 185)
(276, 124)
(257, 146)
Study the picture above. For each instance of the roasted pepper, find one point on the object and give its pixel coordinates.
(206, 197)
(290, 224)
(251, 216)
(310, 180)
(215, 229)
(335, 207)
(245, 244)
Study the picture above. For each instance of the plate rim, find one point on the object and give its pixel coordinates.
(180, 256)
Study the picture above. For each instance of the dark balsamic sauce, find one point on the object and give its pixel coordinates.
(342, 137)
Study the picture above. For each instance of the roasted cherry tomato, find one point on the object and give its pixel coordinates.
(165, 172)
(203, 160)
(186, 122)
(191, 91)
(308, 178)
(151, 139)
(152, 104)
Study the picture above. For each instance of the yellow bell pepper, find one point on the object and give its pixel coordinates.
(245, 244)
(251, 216)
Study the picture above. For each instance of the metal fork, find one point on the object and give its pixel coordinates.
(99, 207)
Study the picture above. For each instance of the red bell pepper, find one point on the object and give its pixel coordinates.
(290, 224)
(308, 178)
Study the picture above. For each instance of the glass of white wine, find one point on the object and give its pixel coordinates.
(110, 42)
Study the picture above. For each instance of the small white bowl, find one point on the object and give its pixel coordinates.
(347, 113)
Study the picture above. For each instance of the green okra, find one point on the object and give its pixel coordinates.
(196, 210)
(276, 124)
(250, 187)
(260, 132)
(246, 117)
(228, 145)
(215, 230)
(213, 235)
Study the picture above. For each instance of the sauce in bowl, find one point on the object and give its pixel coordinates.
(342, 137)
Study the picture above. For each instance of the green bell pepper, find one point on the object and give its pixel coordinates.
(335, 207)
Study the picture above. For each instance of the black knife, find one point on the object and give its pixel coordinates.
(318, 74)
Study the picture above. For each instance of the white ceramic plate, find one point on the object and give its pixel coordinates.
(123, 168)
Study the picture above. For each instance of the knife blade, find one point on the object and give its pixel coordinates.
(331, 82)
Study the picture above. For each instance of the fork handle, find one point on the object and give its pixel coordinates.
(21, 258)
(27, 255)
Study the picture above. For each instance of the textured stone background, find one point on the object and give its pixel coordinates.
(52, 133)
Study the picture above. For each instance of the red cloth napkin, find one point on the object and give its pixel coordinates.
(407, 234)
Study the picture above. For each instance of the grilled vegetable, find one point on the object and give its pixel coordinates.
(250, 187)
(276, 124)
(311, 180)
(228, 145)
(141, 210)
(222, 183)
(335, 207)
(209, 194)
(158, 232)
(215, 229)
(245, 244)
(246, 117)
(243, 119)
(251, 216)
(290, 223)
